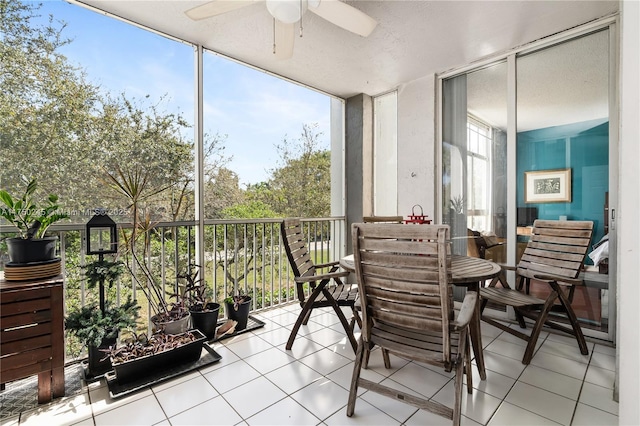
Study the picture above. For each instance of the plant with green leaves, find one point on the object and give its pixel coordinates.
(195, 294)
(134, 184)
(237, 299)
(90, 325)
(31, 219)
(107, 271)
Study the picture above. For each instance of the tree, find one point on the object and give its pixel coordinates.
(222, 191)
(46, 107)
(301, 186)
(153, 138)
(242, 249)
(59, 128)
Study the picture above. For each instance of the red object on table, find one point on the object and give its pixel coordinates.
(417, 218)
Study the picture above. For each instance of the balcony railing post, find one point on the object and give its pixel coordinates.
(270, 281)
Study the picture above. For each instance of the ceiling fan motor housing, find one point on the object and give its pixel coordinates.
(289, 11)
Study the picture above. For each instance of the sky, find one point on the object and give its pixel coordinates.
(255, 110)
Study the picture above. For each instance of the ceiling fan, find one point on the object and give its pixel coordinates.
(287, 12)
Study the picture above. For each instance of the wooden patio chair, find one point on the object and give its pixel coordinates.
(554, 255)
(324, 289)
(404, 280)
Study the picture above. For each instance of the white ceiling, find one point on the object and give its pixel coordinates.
(565, 84)
(413, 38)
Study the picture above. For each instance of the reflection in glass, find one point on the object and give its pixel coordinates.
(474, 160)
(563, 123)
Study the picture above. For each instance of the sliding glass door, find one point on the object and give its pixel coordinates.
(537, 115)
(562, 141)
(474, 159)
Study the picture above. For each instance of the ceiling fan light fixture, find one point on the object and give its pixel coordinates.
(287, 11)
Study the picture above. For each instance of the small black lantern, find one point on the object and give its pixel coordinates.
(102, 234)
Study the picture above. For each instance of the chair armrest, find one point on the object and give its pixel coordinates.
(507, 267)
(327, 265)
(466, 311)
(320, 277)
(562, 280)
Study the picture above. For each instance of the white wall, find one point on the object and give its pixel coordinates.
(416, 146)
(385, 155)
(628, 217)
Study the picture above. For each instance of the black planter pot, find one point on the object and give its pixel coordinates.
(206, 320)
(99, 361)
(141, 367)
(23, 251)
(241, 315)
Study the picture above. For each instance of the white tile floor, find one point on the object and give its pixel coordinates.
(257, 382)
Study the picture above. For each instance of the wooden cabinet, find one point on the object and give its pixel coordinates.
(32, 334)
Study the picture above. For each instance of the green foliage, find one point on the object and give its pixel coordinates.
(56, 125)
(251, 210)
(222, 189)
(301, 185)
(106, 270)
(195, 294)
(237, 299)
(25, 213)
(90, 325)
(47, 108)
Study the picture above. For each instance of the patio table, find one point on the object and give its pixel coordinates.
(468, 272)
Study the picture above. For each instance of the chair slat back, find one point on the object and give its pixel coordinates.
(557, 247)
(382, 219)
(296, 248)
(404, 277)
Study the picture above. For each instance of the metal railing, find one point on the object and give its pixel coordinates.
(240, 255)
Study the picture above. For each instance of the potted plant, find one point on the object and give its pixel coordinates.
(98, 325)
(32, 221)
(98, 330)
(173, 319)
(204, 312)
(134, 185)
(143, 356)
(237, 308)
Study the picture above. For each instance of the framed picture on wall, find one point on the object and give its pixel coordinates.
(547, 186)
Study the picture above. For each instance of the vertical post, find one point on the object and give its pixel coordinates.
(199, 157)
(102, 296)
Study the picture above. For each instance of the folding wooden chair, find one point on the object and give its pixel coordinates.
(554, 255)
(404, 280)
(324, 289)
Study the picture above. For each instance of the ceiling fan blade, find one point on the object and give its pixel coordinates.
(217, 7)
(283, 40)
(345, 16)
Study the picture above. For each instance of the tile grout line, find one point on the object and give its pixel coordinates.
(503, 401)
(581, 387)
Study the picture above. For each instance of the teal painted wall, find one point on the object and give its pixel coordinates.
(583, 147)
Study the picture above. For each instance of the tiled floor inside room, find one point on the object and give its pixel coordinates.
(258, 382)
